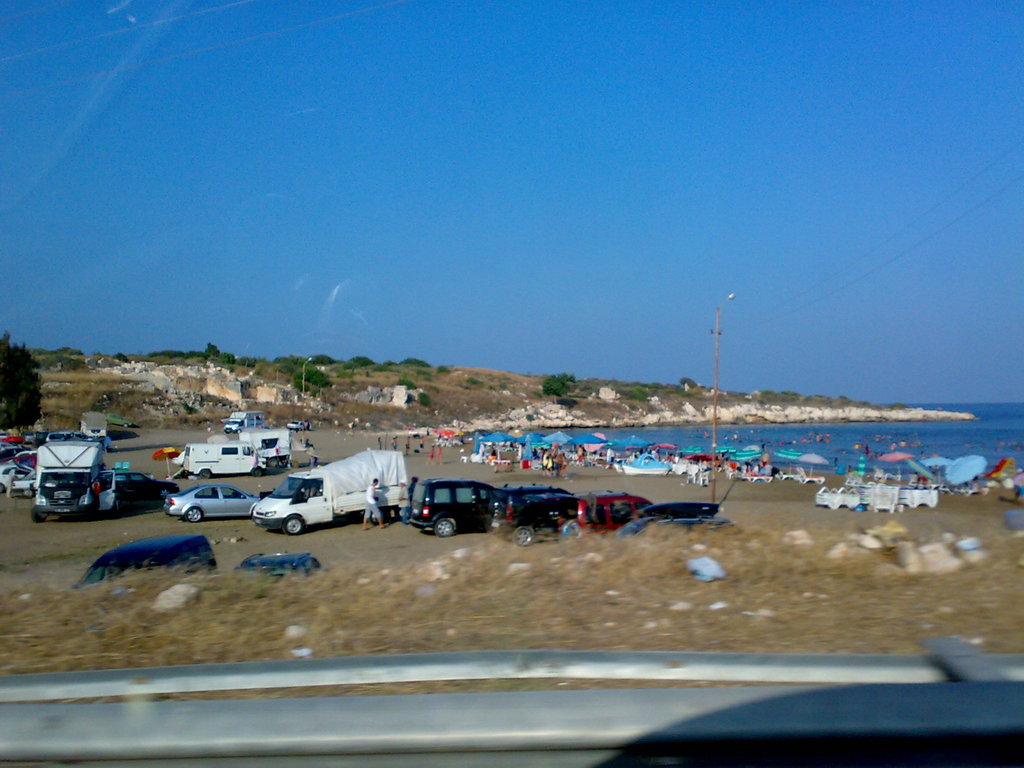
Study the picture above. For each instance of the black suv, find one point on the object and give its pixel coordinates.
(526, 510)
(447, 505)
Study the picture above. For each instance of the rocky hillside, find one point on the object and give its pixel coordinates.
(364, 394)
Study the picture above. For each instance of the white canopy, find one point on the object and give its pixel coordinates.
(357, 472)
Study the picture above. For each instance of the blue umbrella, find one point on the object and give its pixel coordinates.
(590, 439)
(922, 470)
(965, 469)
(558, 437)
(498, 437)
(531, 437)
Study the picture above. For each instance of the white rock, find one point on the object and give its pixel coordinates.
(839, 551)
(295, 632)
(909, 558)
(718, 605)
(178, 596)
(362, 581)
(612, 592)
(459, 554)
(514, 568)
(867, 541)
(973, 556)
(798, 538)
(760, 613)
(936, 558)
(302, 653)
(682, 605)
(650, 625)
(699, 548)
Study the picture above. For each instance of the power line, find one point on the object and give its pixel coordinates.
(34, 11)
(901, 254)
(207, 49)
(116, 32)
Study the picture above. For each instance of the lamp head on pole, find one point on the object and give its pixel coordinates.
(730, 297)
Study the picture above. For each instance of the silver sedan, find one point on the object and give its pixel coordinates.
(210, 500)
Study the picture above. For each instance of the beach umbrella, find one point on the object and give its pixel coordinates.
(557, 437)
(922, 470)
(862, 464)
(168, 453)
(747, 454)
(12, 439)
(498, 437)
(936, 461)
(895, 456)
(965, 469)
(812, 458)
(789, 454)
(693, 449)
(531, 437)
(588, 439)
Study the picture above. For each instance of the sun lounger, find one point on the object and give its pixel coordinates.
(805, 478)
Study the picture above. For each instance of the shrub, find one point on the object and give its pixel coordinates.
(424, 399)
(443, 369)
(415, 361)
(405, 381)
(558, 385)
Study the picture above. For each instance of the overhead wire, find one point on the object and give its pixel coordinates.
(33, 11)
(830, 281)
(123, 30)
(206, 49)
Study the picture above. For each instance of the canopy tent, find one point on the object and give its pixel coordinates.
(588, 439)
(498, 437)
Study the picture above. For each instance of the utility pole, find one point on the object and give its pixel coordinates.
(714, 404)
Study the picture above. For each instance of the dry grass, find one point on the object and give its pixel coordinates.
(599, 593)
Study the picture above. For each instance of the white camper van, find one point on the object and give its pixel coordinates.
(240, 420)
(273, 445)
(231, 458)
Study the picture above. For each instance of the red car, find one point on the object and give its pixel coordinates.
(605, 511)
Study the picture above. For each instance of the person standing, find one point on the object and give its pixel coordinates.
(406, 512)
(372, 511)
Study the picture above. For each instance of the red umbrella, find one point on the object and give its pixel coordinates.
(168, 453)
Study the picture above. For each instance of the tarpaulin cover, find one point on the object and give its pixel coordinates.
(357, 472)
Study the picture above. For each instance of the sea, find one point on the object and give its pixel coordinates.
(997, 433)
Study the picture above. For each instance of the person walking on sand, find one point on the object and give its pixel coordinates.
(372, 511)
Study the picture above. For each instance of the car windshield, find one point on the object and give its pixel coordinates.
(287, 487)
(66, 479)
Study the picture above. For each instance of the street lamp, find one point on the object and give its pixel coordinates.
(714, 403)
(308, 361)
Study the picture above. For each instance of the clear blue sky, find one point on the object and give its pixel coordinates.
(531, 186)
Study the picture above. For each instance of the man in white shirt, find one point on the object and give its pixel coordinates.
(372, 510)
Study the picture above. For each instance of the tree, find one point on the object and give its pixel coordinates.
(315, 380)
(20, 387)
(558, 385)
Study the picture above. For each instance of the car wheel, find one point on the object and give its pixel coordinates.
(38, 517)
(523, 536)
(256, 472)
(205, 473)
(294, 525)
(444, 528)
(571, 530)
(193, 515)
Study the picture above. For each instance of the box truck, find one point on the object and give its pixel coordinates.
(68, 481)
(234, 457)
(334, 491)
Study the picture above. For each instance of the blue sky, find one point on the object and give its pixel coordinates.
(531, 186)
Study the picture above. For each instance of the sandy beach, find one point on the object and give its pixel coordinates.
(57, 552)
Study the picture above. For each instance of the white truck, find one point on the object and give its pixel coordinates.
(334, 491)
(274, 446)
(68, 480)
(235, 457)
(94, 424)
(240, 420)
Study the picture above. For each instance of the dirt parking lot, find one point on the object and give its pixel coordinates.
(57, 552)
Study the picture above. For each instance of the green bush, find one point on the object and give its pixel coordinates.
(424, 399)
(558, 385)
(405, 381)
(415, 361)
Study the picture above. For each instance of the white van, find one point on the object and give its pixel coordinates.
(240, 420)
(273, 445)
(231, 458)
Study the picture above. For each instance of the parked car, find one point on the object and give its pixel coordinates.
(536, 515)
(209, 500)
(190, 552)
(605, 511)
(449, 505)
(298, 426)
(35, 439)
(136, 486)
(676, 513)
(280, 564)
(23, 478)
(65, 434)
(508, 497)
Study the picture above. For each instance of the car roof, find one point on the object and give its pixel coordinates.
(165, 546)
(213, 485)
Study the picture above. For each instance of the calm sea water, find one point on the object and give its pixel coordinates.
(998, 432)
